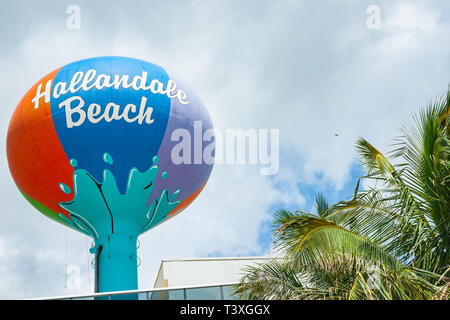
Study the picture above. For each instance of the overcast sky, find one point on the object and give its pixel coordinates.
(308, 68)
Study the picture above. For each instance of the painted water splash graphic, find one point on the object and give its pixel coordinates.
(98, 208)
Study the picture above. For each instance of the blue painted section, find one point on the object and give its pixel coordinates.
(131, 145)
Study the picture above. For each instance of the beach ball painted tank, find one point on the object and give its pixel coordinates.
(90, 145)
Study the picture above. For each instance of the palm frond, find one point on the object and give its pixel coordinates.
(391, 241)
(312, 240)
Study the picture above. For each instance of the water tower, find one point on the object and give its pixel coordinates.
(106, 146)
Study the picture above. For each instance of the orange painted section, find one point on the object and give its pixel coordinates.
(36, 158)
(185, 203)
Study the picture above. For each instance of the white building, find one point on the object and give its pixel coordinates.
(202, 271)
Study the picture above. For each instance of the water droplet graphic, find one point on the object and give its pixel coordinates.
(175, 194)
(164, 174)
(155, 159)
(65, 188)
(74, 163)
(107, 158)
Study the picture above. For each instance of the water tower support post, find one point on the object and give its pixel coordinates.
(116, 262)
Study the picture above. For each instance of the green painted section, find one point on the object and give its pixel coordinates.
(44, 210)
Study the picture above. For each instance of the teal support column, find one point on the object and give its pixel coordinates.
(116, 264)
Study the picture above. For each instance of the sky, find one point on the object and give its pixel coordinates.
(319, 71)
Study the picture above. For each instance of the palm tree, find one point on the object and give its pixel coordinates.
(389, 241)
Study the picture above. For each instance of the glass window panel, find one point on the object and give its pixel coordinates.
(176, 294)
(142, 296)
(159, 295)
(228, 293)
(167, 295)
(209, 293)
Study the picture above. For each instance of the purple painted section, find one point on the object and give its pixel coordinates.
(186, 177)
